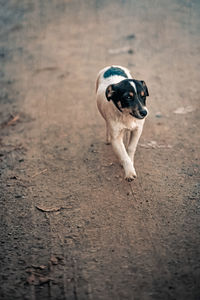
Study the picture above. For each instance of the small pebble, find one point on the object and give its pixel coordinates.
(130, 37)
(158, 115)
(130, 51)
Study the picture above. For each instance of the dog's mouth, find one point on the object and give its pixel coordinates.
(139, 115)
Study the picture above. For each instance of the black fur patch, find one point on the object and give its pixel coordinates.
(114, 71)
(125, 94)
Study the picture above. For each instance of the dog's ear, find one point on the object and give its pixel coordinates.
(110, 92)
(145, 87)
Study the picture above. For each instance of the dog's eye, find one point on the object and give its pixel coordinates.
(129, 96)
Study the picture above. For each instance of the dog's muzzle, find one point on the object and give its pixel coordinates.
(138, 110)
(139, 114)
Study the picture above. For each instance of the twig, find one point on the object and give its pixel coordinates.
(36, 174)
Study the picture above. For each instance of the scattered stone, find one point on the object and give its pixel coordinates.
(158, 115)
(130, 36)
(31, 279)
(130, 51)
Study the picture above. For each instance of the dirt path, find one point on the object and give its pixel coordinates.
(72, 228)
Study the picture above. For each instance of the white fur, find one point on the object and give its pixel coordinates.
(133, 84)
(118, 122)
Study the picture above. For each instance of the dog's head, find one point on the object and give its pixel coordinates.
(131, 94)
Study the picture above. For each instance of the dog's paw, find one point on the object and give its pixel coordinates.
(130, 176)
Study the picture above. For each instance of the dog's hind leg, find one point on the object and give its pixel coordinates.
(108, 136)
(134, 138)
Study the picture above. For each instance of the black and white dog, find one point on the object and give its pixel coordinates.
(121, 101)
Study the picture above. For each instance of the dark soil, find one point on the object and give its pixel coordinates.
(71, 226)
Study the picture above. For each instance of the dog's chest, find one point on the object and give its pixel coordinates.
(126, 121)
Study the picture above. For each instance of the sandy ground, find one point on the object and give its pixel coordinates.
(71, 227)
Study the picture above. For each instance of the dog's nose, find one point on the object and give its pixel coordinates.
(143, 112)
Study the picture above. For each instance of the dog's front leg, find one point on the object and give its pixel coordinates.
(120, 151)
(134, 138)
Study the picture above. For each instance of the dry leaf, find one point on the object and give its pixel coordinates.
(54, 260)
(13, 120)
(48, 209)
(184, 110)
(43, 279)
(154, 145)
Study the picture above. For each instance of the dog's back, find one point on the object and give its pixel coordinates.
(110, 75)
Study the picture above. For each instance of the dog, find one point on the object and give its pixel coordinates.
(121, 100)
